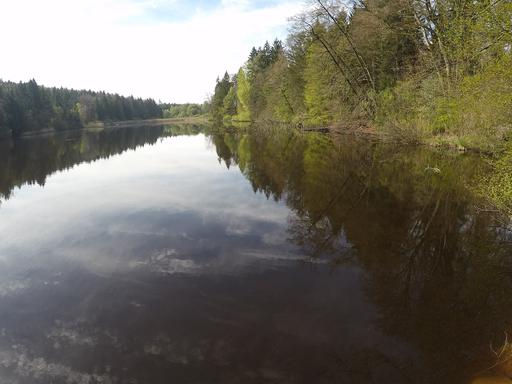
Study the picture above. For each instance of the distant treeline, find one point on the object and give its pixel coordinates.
(27, 107)
(184, 110)
(415, 70)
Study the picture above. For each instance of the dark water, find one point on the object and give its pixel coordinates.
(183, 255)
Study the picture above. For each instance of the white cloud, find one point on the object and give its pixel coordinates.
(113, 45)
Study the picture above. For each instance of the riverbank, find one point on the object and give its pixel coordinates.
(371, 130)
(100, 125)
(148, 122)
(379, 67)
(495, 185)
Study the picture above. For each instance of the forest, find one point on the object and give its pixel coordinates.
(173, 111)
(29, 107)
(412, 71)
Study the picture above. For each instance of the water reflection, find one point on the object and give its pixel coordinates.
(298, 258)
(436, 265)
(31, 161)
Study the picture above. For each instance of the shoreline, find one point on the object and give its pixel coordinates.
(100, 125)
(365, 129)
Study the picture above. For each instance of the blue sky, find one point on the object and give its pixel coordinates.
(172, 50)
(165, 11)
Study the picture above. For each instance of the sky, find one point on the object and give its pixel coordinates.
(169, 50)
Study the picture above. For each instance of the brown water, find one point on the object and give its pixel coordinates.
(191, 255)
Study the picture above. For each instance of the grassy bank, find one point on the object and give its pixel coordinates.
(497, 185)
(474, 112)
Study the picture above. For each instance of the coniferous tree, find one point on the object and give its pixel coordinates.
(30, 107)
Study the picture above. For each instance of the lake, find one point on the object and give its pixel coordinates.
(189, 254)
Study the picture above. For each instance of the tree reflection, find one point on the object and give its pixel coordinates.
(436, 266)
(31, 161)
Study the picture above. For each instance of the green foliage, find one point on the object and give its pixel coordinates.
(229, 103)
(402, 113)
(29, 107)
(498, 184)
(251, 94)
(243, 90)
(418, 70)
(332, 65)
(171, 111)
(222, 89)
(279, 91)
(475, 113)
(484, 107)
(319, 94)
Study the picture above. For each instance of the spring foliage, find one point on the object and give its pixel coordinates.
(415, 69)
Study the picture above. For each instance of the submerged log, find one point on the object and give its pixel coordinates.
(321, 130)
(301, 127)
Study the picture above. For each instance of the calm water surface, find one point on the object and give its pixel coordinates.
(189, 255)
